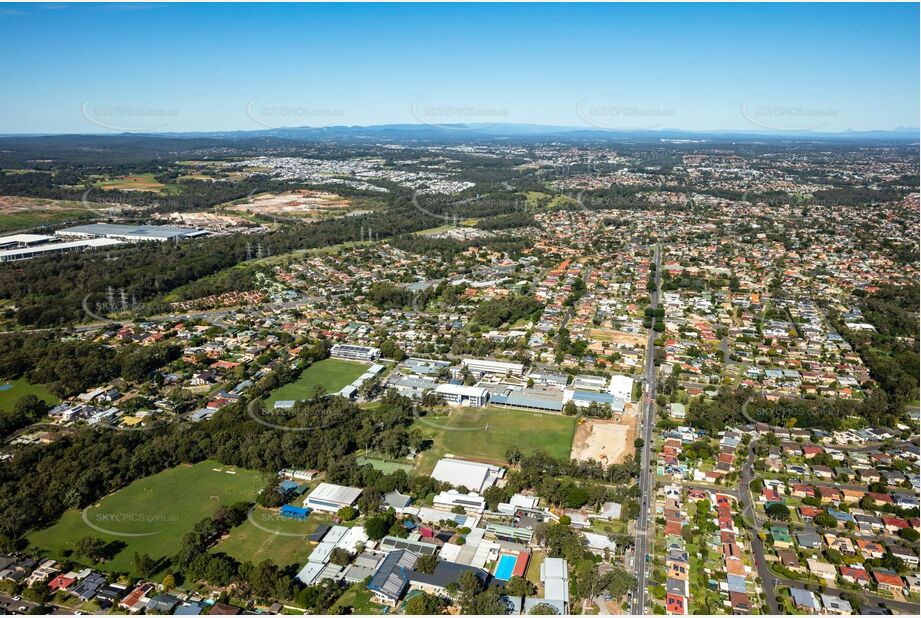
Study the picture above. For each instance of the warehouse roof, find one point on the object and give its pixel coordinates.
(152, 232)
(335, 493)
(529, 400)
(470, 474)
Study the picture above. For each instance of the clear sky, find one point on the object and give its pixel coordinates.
(166, 67)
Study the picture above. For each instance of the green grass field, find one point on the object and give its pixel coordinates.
(20, 388)
(332, 374)
(387, 466)
(151, 515)
(255, 539)
(529, 431)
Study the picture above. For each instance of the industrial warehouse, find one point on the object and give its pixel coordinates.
(92, 236)
(132, 233)
(28, 246)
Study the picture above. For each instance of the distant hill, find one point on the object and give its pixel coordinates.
(465, 132)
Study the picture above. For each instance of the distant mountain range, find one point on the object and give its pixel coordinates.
(493, 131)
(509, 130)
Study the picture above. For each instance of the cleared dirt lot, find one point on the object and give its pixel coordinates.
(608, 335)
(606, 441)
(21, 213)
(302, 203)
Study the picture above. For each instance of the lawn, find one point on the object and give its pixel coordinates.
(11, 392)
(268, 535)
(387, 466)
(487, 433)
(358, 597)
(533, 572)
(139, 182)
(332, 374)
(150, 515)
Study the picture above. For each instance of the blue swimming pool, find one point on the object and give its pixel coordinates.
(505, 567)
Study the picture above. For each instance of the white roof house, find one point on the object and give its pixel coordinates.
(330, 498)
(518, 501)
(621, 387)
(554, 575)
(433, 516)
(331, 540)
(473, 475)
(469, 502)
(352, 539)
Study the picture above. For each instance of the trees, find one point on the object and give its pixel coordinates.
(270, 497)
(519, 587)
(347, 513)
(488, 603)
(543, 609)
(576, 497)
(466, 588)
(91, 547)
(424, 604)
(426, 564)
(620, 582)
(497, 311)
(825, 520)
(340, 556)
(143, 564)
(778, 511)
(389, 349)
(909, 534)
(377, 527)
(27, 410)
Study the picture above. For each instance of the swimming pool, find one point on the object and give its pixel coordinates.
(505, 567)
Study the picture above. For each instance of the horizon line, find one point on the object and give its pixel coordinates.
(474, 125)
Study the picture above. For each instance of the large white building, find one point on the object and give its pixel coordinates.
(131, 233)
(621, 387)
(473, 475)
(473, 396)
(554, 575)
(471, 501)
(26, 252)
(475, 365)
(330, 498)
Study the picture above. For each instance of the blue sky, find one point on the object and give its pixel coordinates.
(100, 68)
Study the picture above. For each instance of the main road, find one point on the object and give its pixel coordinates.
(641, 564)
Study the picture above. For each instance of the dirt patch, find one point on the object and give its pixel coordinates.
(608, 442)
(617, 337)
(12, 204)
(304, 203)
